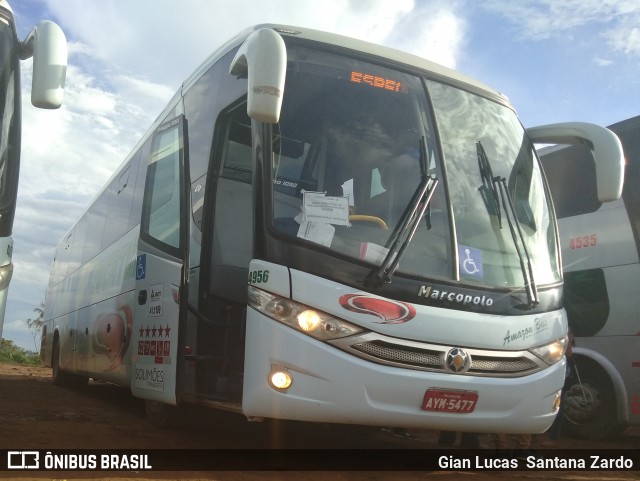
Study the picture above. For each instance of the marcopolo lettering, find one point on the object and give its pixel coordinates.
(456, 297)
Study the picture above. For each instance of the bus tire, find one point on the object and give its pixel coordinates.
(164, 416)
(60, 377)
(589, 409)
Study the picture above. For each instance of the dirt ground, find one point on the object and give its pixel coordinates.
(34, 414)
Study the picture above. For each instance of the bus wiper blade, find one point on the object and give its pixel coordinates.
(488, 184)
(518, 238)
(403, 232)
(497, 186)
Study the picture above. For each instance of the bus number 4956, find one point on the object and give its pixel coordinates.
(258, 277)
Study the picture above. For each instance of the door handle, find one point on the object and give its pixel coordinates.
(142, 297)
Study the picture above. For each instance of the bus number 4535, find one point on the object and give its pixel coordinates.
(583, 241)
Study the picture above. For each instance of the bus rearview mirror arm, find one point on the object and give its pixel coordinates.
(262, 59)
(604, 145)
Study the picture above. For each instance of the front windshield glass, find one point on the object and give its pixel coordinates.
(472, 127)
(353, 144)
(354, 141)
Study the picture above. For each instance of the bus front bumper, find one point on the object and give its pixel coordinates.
(329, 385)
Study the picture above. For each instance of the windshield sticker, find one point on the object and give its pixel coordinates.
(347, 191)
(389, 312)
(317, 232)
(318, 207)
(470, 261)
(373, 253)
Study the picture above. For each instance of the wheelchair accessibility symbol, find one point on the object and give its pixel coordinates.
(470, 260)
(141, 266)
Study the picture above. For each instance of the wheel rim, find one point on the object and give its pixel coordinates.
(582, 403)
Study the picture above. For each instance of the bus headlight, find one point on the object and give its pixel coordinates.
(308, 320)
(551, 353)
(313, 322)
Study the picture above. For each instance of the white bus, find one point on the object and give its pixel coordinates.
(322, 229)
(600, 249)
(48, 46)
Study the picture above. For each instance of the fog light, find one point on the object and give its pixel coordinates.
(281, 380)
(557, 401)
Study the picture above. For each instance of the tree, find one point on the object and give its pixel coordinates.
(35, 325)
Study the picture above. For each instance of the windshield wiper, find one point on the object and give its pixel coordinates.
(488, 190)
(403, 232)
(500, 194)
(516, 233)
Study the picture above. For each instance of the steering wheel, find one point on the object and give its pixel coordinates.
(369, 218)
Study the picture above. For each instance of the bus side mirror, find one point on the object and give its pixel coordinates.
(604, 145)
(48, 46)
(262, 59)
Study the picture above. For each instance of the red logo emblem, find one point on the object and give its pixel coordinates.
(389, 312)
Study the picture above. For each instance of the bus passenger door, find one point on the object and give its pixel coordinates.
(160, 268)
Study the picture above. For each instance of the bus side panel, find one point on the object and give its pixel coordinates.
(94, 307)
(598, 239)
(624, 303)
(103, 342)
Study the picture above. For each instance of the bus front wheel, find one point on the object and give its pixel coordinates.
(590, 404)
(163, 415)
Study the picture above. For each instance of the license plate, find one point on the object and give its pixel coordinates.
(448, 401)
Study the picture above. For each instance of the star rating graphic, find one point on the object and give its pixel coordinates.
(153, 331)
(154, 341)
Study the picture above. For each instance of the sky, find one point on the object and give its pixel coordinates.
(556, 60)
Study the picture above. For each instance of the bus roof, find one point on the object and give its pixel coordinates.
(356, 45)
(628, 124)
(4, 4)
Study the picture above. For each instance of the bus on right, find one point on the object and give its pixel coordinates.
(600, 245)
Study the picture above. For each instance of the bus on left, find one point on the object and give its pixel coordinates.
(47, 45)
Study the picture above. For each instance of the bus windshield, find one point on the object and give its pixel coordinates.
(356, 141)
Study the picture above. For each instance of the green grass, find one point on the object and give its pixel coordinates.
(10, 353)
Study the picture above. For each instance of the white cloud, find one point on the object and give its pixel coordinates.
(435, 31)
(602, 62)
(615, 22)
(625, 37)
(154, 39)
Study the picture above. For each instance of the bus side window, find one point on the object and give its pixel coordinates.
(161, 212)
(571, 174)
(586, 301)
(96, 220)
(233, 217)
(236, 149)
(139, 165)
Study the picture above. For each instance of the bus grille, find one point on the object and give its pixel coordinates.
(429, 357)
